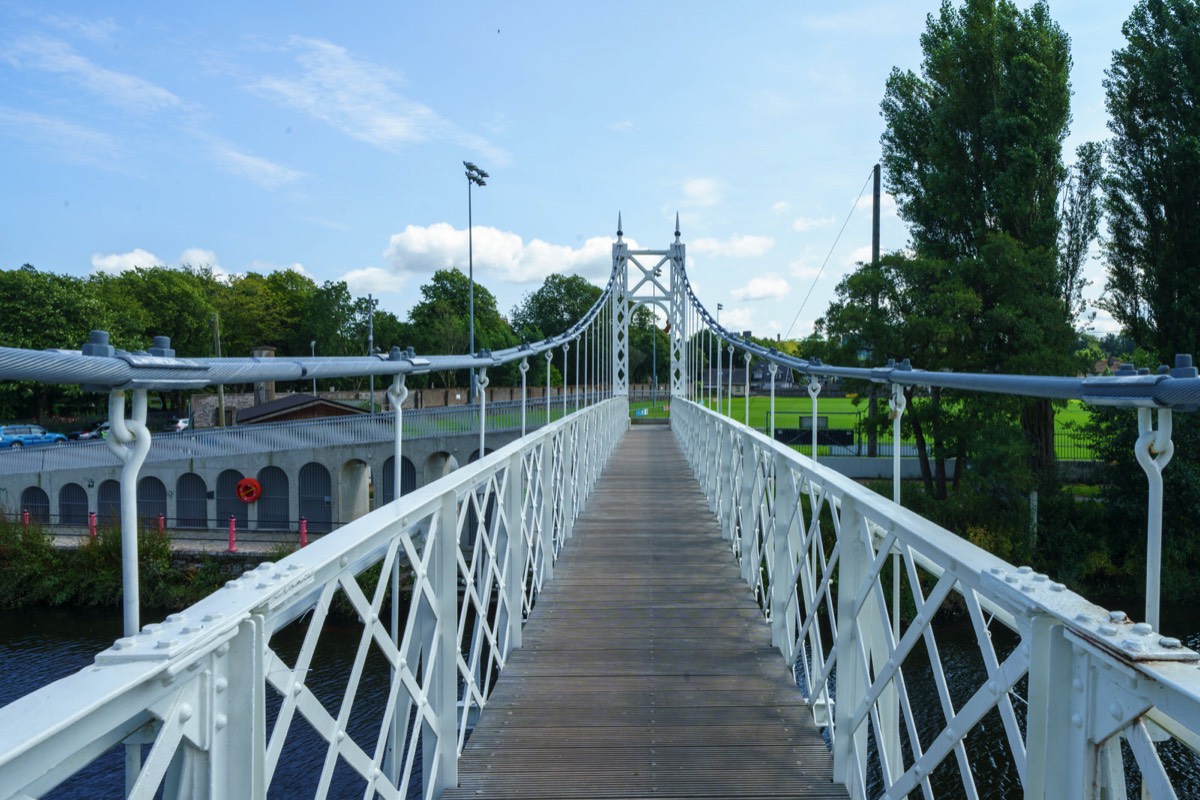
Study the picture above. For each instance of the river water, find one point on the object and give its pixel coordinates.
(39, 646)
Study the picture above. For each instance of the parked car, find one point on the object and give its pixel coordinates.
(178, 424)
(97, 430)
(17, 436)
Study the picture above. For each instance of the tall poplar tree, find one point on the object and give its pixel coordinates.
(973, 154)
(1152, 195)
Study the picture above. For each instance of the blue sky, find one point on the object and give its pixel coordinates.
(261, 136)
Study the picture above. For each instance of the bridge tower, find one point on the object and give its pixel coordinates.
(661, 284)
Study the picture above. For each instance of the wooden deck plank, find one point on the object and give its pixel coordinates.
(647, 669)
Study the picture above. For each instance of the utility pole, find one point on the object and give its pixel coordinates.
(872, 404)
(220, 386)
(371, 343)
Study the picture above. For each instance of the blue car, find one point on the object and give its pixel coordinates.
(18, 436)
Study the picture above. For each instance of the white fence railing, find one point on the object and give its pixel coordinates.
(440, 582)
(1066, 699)
(276, 436)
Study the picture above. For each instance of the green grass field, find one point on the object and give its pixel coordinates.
(842, 413)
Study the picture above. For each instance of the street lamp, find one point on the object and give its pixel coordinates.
(313, 346)
(720, 358)
(654, 340)
(474, 176)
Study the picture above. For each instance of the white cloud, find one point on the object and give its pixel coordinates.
(739, 319)
(498, 254)
(701, 192)
(199, 257)
(265, 173)
(763, 287)
(125, 91)
(123, 262)
(374, 280)
(95, 30)
(70, 142)
(192, 257)
(808, 223)
(887, 204)
(361, 100)
(267, 267)
(736, 246)
(1103, 323)
(859, 255)
(780, 208)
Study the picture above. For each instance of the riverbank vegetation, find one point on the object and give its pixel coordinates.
(33, 571)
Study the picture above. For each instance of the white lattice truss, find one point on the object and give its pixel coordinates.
(1066, 681)
(194, 690)
(660, 284)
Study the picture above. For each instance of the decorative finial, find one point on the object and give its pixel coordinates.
(619, 232)
(676, 226)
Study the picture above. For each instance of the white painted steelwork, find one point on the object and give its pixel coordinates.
(1066, 688)
(194, 688)
(253, 440)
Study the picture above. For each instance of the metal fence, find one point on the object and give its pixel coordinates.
(1084, 702)
(188, 698)
(269, 437)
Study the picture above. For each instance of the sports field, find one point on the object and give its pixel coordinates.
(840, 413)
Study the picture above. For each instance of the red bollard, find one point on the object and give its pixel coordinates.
(92, 524)
(303, 531)
(162, 524)
(232, 533)
(25, 518)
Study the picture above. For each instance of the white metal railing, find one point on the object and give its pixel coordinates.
(276, 436)
(193, 690)
(1086, 703)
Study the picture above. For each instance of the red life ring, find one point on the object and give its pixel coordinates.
(248, 490)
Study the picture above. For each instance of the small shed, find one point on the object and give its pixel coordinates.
(295, 407)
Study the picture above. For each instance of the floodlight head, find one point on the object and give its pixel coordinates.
(470, 166)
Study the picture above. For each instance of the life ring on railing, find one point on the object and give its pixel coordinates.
(248, 490)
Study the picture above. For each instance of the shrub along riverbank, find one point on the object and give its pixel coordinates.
(35, 572)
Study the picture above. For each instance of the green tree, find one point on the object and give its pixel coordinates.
(560, 302)
(1152, 200)
(1152, 194)
(973, 154)
(917, 308)
(40, 310)
(1080, 216)
(329, 321)
(253, 314)
(439, 324)
(159, 301)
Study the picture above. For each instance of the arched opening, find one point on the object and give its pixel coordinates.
(354, 491)
(273, 503)
(228, 504)
(72, 505)
(487, 451)
(108, 503)
(438, 465)
(35, 500)
(151, 500)
(191, 501)
(316, 497)
(408, 478)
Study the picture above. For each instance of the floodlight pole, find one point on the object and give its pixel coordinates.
(474, 176)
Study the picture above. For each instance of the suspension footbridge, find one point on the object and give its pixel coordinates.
(585, 611)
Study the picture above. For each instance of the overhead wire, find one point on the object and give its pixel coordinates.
(853, 208)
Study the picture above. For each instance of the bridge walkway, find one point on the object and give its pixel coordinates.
(647, 669)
